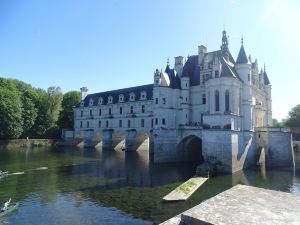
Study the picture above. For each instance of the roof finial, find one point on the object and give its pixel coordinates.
(168, 62)
(224, 46)
(264, 67)
(242, 40)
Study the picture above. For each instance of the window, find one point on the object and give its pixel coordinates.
(109, 111)
(143, 108)
(107, 124)
(226, 101)
(99, 123)
(164, 101)
(203, 99)
(248, 77)
(82, 103)
(217, 101)
(121, 110)
(81, 113)
(99, 112)
(91, 113)
(216, 73)
(143, 95)
(156, 100)
(110, 99)
(163, 121)
(121, 98)
(185, 84)
(186, 99)
(80, 124)
(87, 124)
(156, 121)
(100, 101)
(131, 96)
(142, 122)
(120, 123)
(128, 123)
(151, 122)
(131, 109)
(91, 102)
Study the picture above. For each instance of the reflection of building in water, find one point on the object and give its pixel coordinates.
(207, 107)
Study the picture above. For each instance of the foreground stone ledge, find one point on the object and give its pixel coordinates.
(243, 205)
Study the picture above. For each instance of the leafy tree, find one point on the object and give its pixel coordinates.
(55, 97)
(66, 116)
(293, 119)
(276, 123)
(11, 122)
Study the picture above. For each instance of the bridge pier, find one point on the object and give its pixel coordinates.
(107, 140)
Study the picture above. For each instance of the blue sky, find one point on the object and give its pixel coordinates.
(107, 45)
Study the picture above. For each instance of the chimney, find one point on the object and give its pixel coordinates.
(201, 52)
(178, 65)
(83, 93)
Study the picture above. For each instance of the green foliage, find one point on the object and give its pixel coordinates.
(293, 119)
(66, 116)
(11, 122)
(276, 123)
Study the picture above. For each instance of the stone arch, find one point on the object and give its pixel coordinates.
(118, 140)
(190, 149)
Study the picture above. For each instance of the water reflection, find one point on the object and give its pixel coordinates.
(87, 186)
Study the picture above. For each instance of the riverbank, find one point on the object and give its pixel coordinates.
(27, 143)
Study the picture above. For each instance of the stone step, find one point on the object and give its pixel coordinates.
(185, 190)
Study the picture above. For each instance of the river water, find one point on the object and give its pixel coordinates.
(88, 186)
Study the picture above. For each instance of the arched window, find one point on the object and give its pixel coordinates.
(217, 101)
(227, 101)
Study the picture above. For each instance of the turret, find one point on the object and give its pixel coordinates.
(157, 76)
(243, 67)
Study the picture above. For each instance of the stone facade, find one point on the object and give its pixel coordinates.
(206, 108)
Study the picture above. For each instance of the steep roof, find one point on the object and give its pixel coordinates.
(173, 77)
(115, 94)
(266, 78)
(242, 57)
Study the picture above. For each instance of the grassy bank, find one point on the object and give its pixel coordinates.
(27, 143)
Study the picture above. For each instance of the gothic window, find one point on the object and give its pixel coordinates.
(100, 101)
(217, 101)
(163, 121)
(226, 101)
(91, 102)
(110, 99)
(143, 109)
(121, 110)
(131, 96)
(142, 122)
(121, 98)
(120, 123)
(107, 124)
(128, 123)
(203, 99)
(131, 109)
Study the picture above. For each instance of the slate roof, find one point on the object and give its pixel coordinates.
(242, 58)
(173, 77)
(192, 69)
(115, 94)
(266, 78)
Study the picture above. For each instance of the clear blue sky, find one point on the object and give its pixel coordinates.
(106, 45)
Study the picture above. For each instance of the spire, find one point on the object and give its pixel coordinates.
(266, 78)
(224, 46)
(168, 66)
(242, 57)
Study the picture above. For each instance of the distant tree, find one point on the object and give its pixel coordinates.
(276, 123)
(11, 122)
(293, 119)
(66, 116)
(55, 97)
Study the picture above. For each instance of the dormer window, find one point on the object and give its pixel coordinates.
(110, 99)
(131, 96)
(121, 98)
(143, 95)
(91, 102)
(100, 101)
(82, 103)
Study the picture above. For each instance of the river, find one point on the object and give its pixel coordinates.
(89, 187)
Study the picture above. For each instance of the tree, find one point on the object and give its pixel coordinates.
(293, 119)
(66, 116)
(11, 122)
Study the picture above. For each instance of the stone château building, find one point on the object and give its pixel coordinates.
(208, 107)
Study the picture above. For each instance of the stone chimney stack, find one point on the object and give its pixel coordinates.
(178, 65)
(201, 52)
(83, 93)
